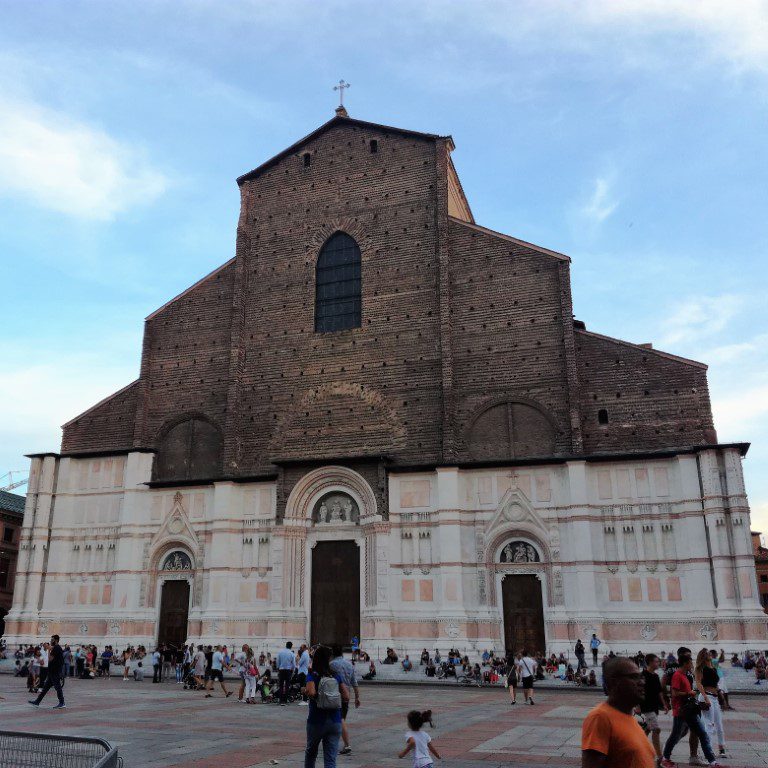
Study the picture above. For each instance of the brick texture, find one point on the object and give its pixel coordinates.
(467, 348)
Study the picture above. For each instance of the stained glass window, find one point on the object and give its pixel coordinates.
(337, 289)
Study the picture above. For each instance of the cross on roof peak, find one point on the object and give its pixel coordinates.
(340, 110)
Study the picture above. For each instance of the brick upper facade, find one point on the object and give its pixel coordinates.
(467, 349)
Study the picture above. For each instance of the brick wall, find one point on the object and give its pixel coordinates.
(455, 319)
(107, 426)
(653, 400)
(508, 329)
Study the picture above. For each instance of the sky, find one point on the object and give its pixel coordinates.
(628, 134)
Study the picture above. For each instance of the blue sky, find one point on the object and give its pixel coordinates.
(629, 134)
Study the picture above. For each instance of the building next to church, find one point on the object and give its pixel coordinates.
(379, 418)
(11, 517)
(761, 568)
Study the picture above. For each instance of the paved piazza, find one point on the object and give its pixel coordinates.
(162, 725)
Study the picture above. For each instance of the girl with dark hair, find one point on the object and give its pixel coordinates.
(419, 741)
(325, 692)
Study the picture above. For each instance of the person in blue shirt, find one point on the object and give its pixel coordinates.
(323, 725)
(286, 663)
(303, 671)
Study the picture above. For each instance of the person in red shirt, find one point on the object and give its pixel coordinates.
(685, 715)
(610, 735)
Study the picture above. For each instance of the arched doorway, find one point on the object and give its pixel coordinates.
(174, 600)
(523, 613)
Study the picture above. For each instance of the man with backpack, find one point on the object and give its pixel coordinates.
(326, 692)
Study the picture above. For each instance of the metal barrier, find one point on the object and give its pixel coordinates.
(41, 750)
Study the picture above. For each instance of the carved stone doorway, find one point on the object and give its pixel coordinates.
(174, 612)
(335, 593)
(523, 614)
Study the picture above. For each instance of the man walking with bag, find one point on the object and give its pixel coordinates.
(55, 671)
(527, 667)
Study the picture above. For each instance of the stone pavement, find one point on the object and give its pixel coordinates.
(163, 725)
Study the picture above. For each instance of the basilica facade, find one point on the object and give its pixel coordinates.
(380, 419)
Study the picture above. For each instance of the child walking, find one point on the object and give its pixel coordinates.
(419, 741)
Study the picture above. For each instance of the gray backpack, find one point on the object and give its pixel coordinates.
(328, 693)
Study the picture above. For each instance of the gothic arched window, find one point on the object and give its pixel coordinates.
(337, 284)
(190, 450)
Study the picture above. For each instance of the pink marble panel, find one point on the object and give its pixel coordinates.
(654, 589)
(262, 590)
(425, 590)
(746, 580)
(674, 593)
(642, 482)
(635, 590)
(661, 481)
(614, 590)
(604, 488)
(414, 493)
(408, 590)
(106, 594)
(451, 589)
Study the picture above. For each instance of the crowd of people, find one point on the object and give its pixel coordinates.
(624, 730)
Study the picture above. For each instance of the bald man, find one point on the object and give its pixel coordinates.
(610, 735)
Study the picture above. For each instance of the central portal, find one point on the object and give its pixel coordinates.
(523, 614)
(174, 610)
(335, 593)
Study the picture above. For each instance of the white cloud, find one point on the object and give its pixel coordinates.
(737, 32)
(601, 203)
(740, 412)
(69, 166)
(699, 317)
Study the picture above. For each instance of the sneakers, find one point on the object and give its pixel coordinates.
(667, 763)
(60, 706)
(33, 703)
(715, 765)
(723, 755)
(345, 750)
(306, 704)
(531, 700)
(512, 703)
(696, 760)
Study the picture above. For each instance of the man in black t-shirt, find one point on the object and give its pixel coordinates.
(653, 700)
(55, 672)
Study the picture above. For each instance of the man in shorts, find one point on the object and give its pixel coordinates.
(653, 701)
(526, 667)
(217, 673)
(346, 671)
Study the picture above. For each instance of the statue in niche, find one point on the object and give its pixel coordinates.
(336, 508)
(519, 552)
(177, 561)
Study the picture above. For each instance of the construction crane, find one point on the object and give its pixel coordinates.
(11, 482)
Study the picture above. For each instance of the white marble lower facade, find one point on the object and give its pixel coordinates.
(648, 553)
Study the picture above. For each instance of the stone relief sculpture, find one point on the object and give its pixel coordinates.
(519, 552)
(336, 508)
(177, 561)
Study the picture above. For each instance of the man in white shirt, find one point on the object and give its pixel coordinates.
(44, 651)
(217, 673)
(302, 672)
(526, 667)
(156, 665)
(286, 663)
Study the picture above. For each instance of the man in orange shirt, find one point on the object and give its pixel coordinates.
(610, 735)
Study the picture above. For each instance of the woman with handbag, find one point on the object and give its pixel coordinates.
(707, 684)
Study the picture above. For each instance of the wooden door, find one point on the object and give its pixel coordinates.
(174, 610)
(523, 614)
(335, 593)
